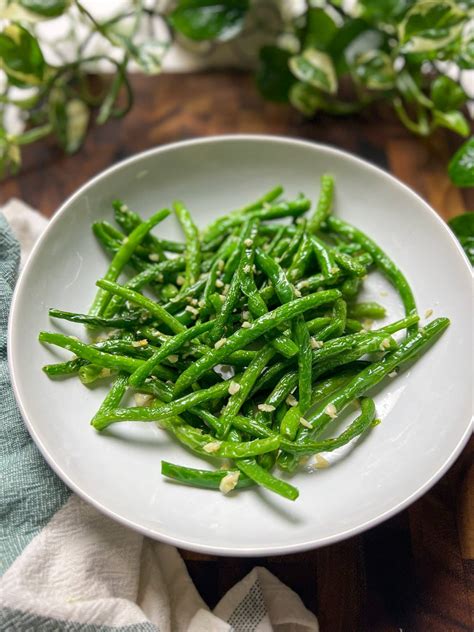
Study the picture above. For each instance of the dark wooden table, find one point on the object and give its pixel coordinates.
(415, 572)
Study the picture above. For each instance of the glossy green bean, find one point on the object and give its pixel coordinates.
(122, 257)
(265, 479)
(216, 227)
(247, 380)
(367, 310)
(243, 337)
(64, 369)
(113, 397)
(150, 274)
(208, 479)
(324, 206)
(193, 246)
(135, 297)
(129, 220)
(170, 347)
(121, 322)
(325, 257)
(374, 373)
(383, 262)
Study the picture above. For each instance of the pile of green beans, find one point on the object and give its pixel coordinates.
(245, 341)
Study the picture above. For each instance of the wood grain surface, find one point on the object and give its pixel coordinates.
(415, 572)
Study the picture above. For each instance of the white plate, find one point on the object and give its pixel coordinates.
(425, 411)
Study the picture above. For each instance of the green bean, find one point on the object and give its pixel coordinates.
(281, 247)
(264, 478)
(222, 319)
(276, 238)
(283, 209)
(383, 262)
(374, 373)
(216, 227)
(112, 246)
(207, 479)
(339, 316)
(301, 259)
(170, 347)
(338, 351)
(62, 369)
(193, 247)
(168, 291)
(293, 246)
(349, 264)
(95, 356)
(307, 446)
(243, 337)
(235, 256)
(113, 397)
(404, 323)
(352, 326)
(319, 281)
(323, 208)
(135, 297)
(276, 275)
(118, 238)
(121, 322)
(166, 411)
(121, 258)
(247, 380)
(305, 361)
(325, 258)
(129, 220)
(151, 273)
(90, 373)
(290, 423)
(210, 287)
(362, 423)
(208, 446)
(316, 324)
(185, 296)
(367, 310)
(257, 306)
(351, 287)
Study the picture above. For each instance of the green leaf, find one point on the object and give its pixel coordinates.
(453, 120)
(21, 57)
(383, 11)
(148, 55)
(10, 156)
(315, 68)
(320, 29)
(304, 98)
(465, 56)
(69, 120)
(209, 19)
(274, 79)
(45, 8)
(463, 227)
(461, 166)
(447, 94)
(374, 70)
(351, 30)
(410, 90)
(430, 25)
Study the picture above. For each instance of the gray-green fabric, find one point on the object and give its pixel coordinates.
(16, 621)
(30, 493)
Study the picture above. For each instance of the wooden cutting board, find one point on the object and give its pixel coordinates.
(415, 572)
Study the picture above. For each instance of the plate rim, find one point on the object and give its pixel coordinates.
(179, 541)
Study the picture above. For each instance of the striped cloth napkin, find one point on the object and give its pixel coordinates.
(66, 566)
